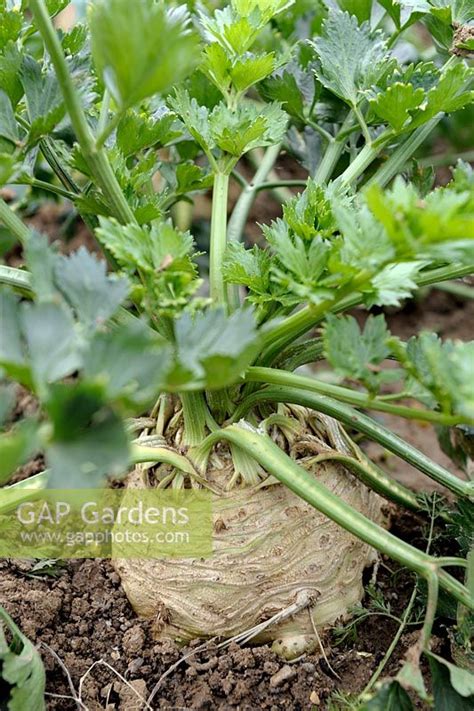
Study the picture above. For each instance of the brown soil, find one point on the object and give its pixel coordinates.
(87, 633)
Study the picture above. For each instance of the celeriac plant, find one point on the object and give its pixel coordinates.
(143, 108)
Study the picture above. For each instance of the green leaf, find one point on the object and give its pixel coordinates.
(449, 93)
(443, 368)
(360, 8)
(352, 59)
(140, 53)
(8, 126)
(21, 668)
(74, 40)
(128, 362)
(44, 99)
(16, 447)
(8, 166)
(10, 26)
(12, 347)
(364, 244)
(149, 249)
(390, 697)
(392, 284)
(54, 7)
(214, 349)
(285, 90)
(248, 127)
(422, 226)
(94, 294)
(405, 12)
(304, 262)
(250, 268)
(136, 132)
(251, 69)
(396, 103)
(452, 686)
(194, 117)
(354, 353)
(52, 341)
(10, 65)
(237, 26)
(88, 442)
(41, 261)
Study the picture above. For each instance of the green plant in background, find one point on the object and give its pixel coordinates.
(215, 371)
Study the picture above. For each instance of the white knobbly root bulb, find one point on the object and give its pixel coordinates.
(271, 550)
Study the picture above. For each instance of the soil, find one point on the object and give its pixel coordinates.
(99, 656)
(96, 650)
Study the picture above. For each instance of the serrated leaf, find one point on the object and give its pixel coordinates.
(94, 294)
(352, 59)
(248, 127)
(194, 117)
(8, 125)
(392, 284)
(128, 362)
(443, 368)
(136, 132)
(354, 353)
(405, 12)
(364, 244)
(88, 441)
(140, 53)
(448, 94)
(250, 268)
(213, 349)
(21, 668)
(73, 41)
(145, 248)
(285, 90)
(52, 341)
(237, 26)
(396, 103)
(252, 69)
(44, 99)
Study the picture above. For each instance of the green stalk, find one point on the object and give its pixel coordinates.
(295, 356)
(246, 199)
(375, 478)
(96, 159)
(462, 290)
(399, 158)
(273, 376)
(274, 184)
(13, 223)
(333, 152)
(351, 418)
(194, 413)
(218, 239)
(43, 185)
(305, 485)
(367, 155)
(17, 278)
